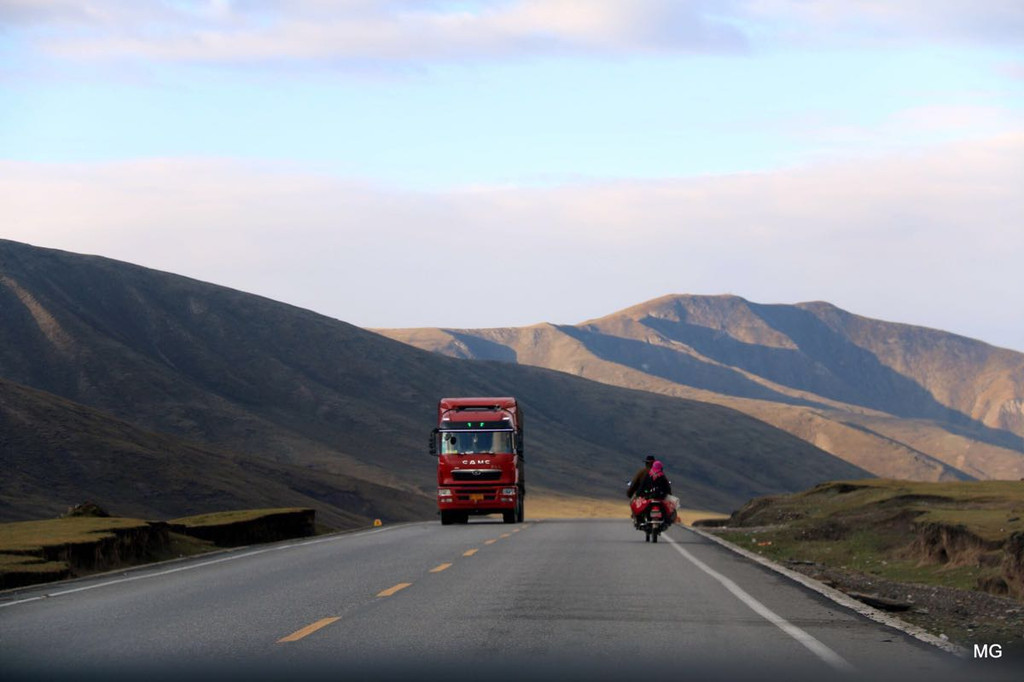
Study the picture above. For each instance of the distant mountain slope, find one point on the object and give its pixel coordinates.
(274, 385)
(897, 400)
(57, 453)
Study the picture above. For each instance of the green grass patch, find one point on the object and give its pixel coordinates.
(865, 552)
(876, 527)
(989, 524)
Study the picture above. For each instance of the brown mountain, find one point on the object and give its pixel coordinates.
(897, 400)
(181, 397)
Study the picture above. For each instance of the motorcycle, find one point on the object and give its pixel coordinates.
(653, 516)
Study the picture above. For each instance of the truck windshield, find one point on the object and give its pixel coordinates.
(475, 442)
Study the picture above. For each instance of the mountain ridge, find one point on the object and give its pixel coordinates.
(896, 399)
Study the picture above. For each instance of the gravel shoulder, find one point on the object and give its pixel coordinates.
(965, 617)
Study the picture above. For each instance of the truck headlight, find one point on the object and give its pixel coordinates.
(508, 491)
(444, 492)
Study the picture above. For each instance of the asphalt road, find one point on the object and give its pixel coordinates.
(540, 600)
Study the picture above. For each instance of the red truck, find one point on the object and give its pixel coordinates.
(478, 443)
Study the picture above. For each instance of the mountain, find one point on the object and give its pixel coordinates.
(897, 400)
(181, 397)
(56, 452)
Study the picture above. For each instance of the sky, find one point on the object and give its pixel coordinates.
(401, 163)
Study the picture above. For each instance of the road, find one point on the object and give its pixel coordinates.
(540, 600)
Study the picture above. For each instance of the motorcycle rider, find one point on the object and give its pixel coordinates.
(639, 477)
(634, 484)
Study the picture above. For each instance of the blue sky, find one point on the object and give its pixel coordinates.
(338, 155)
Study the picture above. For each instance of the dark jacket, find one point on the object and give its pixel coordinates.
(656, 488)
(638, 478)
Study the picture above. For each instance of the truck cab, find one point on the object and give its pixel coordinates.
(478, 443)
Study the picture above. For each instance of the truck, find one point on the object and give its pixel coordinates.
(478, 443)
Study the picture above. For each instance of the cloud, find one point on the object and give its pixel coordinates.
(401, 31)
(391, 31)
(1013, 70)
(860, 22)
(928, 238)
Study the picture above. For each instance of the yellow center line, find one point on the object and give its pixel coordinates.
(470, 552)
(391, 590)
(438, 569)
(490, 542)
(516, 530)
(506, 535)
(308, 630)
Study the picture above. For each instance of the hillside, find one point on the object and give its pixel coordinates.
(277, 390)
(897, 400)
(57, 453)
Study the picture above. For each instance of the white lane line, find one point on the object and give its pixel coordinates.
(190, 567)
(812, 644)
(839, 597)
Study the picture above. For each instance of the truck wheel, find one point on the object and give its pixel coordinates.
(509, 516)
(520, 513)
(447, 518)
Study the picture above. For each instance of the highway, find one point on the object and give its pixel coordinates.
(547, 599)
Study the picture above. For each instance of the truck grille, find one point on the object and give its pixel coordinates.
(476, 474)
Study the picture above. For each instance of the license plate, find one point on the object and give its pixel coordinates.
(477, 497)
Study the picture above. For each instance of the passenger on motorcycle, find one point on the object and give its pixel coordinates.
(656, 486)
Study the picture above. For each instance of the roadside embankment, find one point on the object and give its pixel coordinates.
(964, 534)
(233, 529)
(949, 556)
(42, 551)
(34, 552)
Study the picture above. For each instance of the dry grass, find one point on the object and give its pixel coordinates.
(22, 543)
(574, 507)
(32, 536)
(689, 516)
(22, 563)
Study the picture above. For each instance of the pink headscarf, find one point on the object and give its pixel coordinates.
(656, 469)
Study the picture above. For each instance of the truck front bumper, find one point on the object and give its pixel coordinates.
(477, 499)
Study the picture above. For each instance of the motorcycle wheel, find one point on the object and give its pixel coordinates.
(654, 536)
(647, 536)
